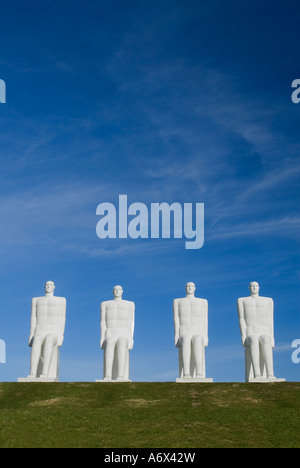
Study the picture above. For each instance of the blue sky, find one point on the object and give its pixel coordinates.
(164, 101)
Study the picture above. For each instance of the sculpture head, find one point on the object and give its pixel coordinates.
(118, 291)
(190, 288)
(49, 287)
(254, 288)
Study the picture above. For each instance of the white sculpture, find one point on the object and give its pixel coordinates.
(117, 329)
(256, 317)
(48, 318)
(2, 352)
(191, 335)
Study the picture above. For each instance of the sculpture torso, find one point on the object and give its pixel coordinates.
(257, 315)
(192, 313)
(48, 312)
(118, 319)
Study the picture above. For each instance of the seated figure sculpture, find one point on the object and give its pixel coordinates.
(256, 318)
(48, 319)
(117, 330)
(191, 335)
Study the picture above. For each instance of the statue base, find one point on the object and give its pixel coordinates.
(191, 380)
(265, 380)
(36, 380)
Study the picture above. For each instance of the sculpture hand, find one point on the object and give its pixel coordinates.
(60, 341)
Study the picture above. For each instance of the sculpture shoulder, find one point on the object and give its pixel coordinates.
(54, 298)
(262, 299)
(179, 300)
(250, 300)
(104, 304)
(58, 300)
(201, 301)
(240, 303)
(187, 301)
(269, 300)
(38, 300)
(175, 306)
(243, 300)
(178, 303)
(129, 304)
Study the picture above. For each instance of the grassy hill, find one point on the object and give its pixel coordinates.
(155, 415)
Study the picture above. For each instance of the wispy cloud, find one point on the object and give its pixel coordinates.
(287, 227)
(30, 216)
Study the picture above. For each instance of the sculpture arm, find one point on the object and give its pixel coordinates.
(103, 324)
(131, 324)
(243, 326)
(206, 324)
(176, 323)
(62, 323)
(271, 312)
(33, 321)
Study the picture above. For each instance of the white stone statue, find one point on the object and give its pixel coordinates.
(48, 319)
(256, 317)
(191, 335)
(117, 329)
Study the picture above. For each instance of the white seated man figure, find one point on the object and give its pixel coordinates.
(117, 329)
(191, 335)
(48, 319)
(256, 318)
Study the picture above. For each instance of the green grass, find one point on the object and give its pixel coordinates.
(149, 415)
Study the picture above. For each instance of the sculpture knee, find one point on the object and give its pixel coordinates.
(185, 340)
(265, 340)
(109, 343)
(38, 340)
(253, 340)
(51, 340)
(122, 343)
(198, 340)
